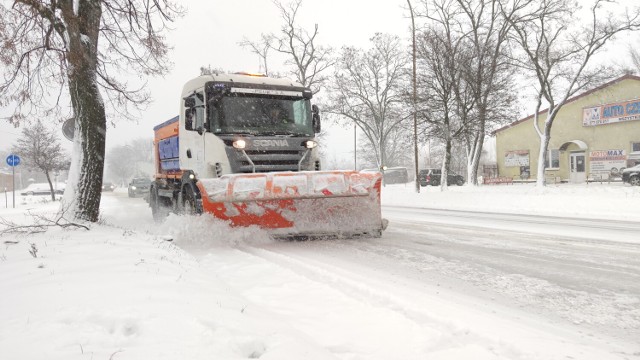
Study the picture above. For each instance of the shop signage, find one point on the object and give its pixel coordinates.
(516, 158)
(607, 161)
(611, 113)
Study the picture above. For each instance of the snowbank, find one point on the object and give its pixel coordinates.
(112, 293)
(593, 200)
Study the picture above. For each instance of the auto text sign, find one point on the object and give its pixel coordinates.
(611, 113)
(13, 160)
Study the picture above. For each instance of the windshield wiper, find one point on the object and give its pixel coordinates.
(276, 133)
(245, 132)
(288, 133)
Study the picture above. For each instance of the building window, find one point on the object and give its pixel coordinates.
(635, 146)
(553, 159)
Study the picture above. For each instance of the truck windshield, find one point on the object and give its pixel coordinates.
(260, 115)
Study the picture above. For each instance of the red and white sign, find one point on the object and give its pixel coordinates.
(611, 113)
(516, 158)
(607, 161)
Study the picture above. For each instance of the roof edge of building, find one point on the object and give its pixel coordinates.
(586, 93)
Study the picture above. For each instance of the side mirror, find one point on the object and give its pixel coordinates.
(189, 102)
(315, 117)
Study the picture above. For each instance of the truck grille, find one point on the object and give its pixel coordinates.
(271, 160)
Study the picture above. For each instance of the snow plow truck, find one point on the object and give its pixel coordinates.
(243, 149)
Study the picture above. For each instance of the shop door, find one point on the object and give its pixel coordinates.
(578, 174)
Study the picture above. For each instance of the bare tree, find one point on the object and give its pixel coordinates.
(308, 60)
(396, 150)
(446, 105)
(368, 89)
(51, 47)
(208, 70)
(261, 48)
(558, 55)
(482, 91)
(143, 149)
(126, 161)
(488, 73)
(119, 164)
(635, 58)
(41, 150)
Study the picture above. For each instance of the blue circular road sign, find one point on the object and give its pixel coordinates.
(13, 160)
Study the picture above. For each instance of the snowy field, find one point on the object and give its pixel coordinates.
(122, 291)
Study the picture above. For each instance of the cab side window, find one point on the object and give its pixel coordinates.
(194, 112)
(199, 111)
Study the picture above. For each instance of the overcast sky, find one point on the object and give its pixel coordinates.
(209, 35)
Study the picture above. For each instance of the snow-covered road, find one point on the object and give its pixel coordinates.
(446, 284)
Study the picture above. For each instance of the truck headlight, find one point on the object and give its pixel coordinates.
(239, 144)
(310, 144)
(133, 188)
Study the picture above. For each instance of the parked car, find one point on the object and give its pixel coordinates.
(42, 189)
(108, 186)
(139, 187)
(393, 175)
(632, 175)
(396, 175)
(433, 176)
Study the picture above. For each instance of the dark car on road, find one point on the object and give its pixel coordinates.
(139, 187)
(108, 186)
(433, 176)
(632, 175)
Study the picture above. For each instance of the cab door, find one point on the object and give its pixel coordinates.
(192, 134)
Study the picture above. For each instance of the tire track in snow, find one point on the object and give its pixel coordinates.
(407, 300)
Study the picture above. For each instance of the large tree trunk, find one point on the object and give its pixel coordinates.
(473, 159)
(53, 192)
(87, 164)
(542, 154)
(444, 184)
(477, 149)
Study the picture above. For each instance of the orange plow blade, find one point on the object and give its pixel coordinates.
(314, 203)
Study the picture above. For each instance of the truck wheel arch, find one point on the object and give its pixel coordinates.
(189, 192)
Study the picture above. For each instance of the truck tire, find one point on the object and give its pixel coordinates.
(159, 208)
(190, 202)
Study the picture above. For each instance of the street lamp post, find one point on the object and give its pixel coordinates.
(415, 98)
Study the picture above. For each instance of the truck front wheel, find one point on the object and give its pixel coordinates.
(189, 202)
